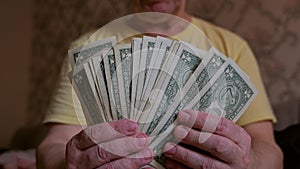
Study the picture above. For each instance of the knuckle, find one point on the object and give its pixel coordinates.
(184, 155)
(71, 155)
(194, 138)
(102, 154)
(200, 118)
(222, 126)
(208, 163)
(71, 150)
(246, 161)
(221, 145)
(243, 162)
(71, 144)
(89, 158)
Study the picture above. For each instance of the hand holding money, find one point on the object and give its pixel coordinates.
(102, 146)
(152, 79)
(228, 145)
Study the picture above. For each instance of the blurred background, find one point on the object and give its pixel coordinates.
(36, 35)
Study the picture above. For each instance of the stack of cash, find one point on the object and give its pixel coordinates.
(151, 79)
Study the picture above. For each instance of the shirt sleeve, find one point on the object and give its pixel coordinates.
(260, 109)
(65, 106)
(61, 109)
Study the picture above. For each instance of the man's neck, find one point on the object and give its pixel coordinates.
(171, 26)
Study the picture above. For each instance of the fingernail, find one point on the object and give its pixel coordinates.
(130, 126)
(140, 139)
(184, 117)
(181, 132)
(170, 149)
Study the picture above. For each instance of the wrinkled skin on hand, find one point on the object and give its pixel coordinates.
(109, 145)
(228, 146)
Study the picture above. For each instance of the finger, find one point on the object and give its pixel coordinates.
(172, 164)
(104, 132)
(215, 124)
(191, 158)
(134, 161)
(112, 150)
(219, 146)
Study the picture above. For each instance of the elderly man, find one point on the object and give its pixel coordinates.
(247, 144)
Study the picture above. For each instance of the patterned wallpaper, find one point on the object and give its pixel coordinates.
(270, 26)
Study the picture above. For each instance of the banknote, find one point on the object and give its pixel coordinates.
(182, 67)
(97, 63)
(145, 59)
(213, 62)
(112, 85)
(123, 62)
(83, 53)
(161, 48)
(152, 55)
(86, 95)
(157, 92)
(136, 56)
(230, 91)
(228, 95)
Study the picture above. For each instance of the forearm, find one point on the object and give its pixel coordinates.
(265, 155)
(51, 152)
(51, 156)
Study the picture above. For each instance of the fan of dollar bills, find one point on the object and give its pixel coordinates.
(151, 79)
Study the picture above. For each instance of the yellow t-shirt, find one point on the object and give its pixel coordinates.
(62, 109)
